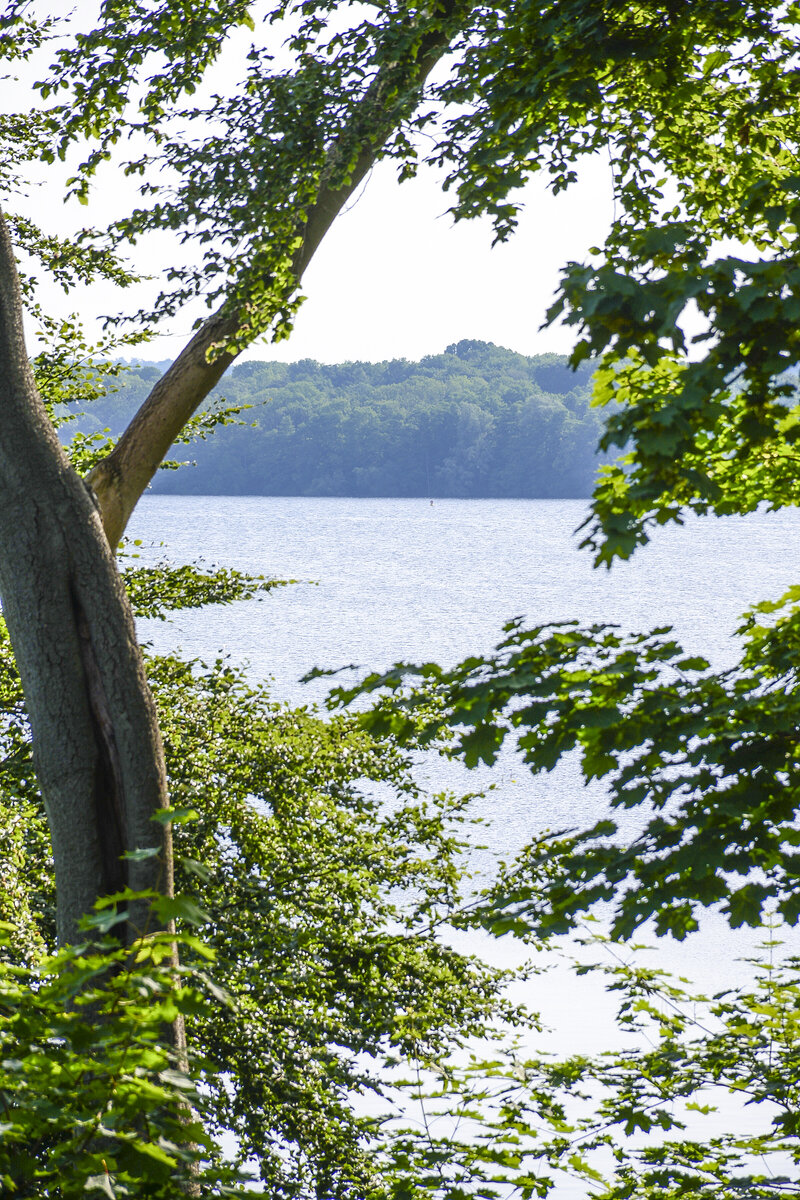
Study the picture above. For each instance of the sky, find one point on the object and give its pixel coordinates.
(395, 277)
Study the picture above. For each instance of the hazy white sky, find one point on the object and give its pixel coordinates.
(394, 277)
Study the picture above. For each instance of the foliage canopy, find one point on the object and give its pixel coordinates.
(696, 107)
(475, 421)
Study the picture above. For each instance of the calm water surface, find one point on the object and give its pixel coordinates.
(391, 579)
(384, 580)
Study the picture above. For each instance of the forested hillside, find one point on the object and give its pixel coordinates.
(475, 421)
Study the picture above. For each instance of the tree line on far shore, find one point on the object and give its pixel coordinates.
(475, 421)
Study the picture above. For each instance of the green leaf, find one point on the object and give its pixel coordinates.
(181, 908)
(176, 816)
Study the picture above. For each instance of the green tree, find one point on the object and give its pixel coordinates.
(696, 108)
(295, 867)
(294, 145)
(98, 751)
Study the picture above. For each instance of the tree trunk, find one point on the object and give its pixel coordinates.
(96, 744)
(97, 749)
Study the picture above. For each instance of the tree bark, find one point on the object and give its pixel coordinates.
(97, 749)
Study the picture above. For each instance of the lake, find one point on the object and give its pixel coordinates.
(390, 579)
(384, 580)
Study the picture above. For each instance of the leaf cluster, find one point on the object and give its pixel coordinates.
(703, 763)
(637, 1122)
(92, 1099)
(158, 590)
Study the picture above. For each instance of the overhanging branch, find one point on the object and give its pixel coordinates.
(119, 480)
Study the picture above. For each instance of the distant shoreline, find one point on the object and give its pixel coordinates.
(476, 422)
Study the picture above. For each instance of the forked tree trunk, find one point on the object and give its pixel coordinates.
(97, 749)
(96, 744)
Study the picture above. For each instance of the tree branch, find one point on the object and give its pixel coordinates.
(120, 479)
